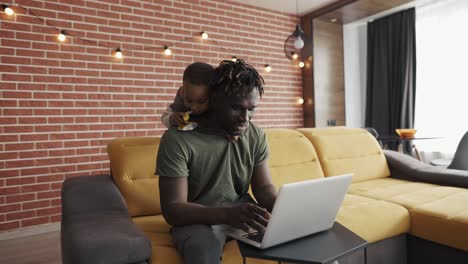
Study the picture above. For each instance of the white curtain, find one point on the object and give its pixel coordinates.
(441, 76)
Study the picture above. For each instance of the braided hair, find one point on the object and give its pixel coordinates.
(236, 78)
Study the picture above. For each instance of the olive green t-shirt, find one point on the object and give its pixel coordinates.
(219, 171)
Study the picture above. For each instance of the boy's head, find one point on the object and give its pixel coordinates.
(195, 91)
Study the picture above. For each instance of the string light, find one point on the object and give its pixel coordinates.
(118, 53)
(294, 55)
(7, 9)
(300, 101)
(62, 36)
(301, 64)
(167, 51)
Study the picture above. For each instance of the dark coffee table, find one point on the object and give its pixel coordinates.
(323, 247)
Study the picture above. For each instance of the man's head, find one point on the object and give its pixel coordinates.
(195, 92)
(236, 88)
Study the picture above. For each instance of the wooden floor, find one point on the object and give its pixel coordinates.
(37, 249)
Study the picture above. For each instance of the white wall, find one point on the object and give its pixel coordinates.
(355, 70)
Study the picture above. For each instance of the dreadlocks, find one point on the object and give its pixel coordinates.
(236, 78)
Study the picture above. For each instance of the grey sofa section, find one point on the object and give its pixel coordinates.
(96, 226)
(407, 168)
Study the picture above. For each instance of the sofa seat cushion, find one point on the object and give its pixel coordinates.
(292, 157)
(371, 219)
(444, 221)
(418, 198)
(348, 150)
(152, 223)
(388, 188)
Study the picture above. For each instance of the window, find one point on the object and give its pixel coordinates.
(441, 74)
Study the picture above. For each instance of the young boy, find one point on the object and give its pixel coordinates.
(192, 98)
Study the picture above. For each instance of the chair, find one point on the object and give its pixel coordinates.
(460, 159)
(374, 133)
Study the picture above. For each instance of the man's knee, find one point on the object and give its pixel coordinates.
(199, 242)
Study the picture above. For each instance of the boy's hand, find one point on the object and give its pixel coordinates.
(177, 118)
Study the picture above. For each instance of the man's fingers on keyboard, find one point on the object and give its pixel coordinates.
(260, 219)
(262, 211)
(245, 227)
(255, 225)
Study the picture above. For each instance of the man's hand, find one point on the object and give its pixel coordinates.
(177, 118)
(246, 216)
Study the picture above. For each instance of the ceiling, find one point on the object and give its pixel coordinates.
(288, 6)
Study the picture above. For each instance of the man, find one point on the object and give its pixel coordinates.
(204, 174)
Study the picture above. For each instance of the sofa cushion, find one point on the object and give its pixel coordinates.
(372, 219)
(444, 221)
(133, 163)
(152, 223)
(387, 188)
(292, 157)
(438, 213)
(418, 198)
(348, 150)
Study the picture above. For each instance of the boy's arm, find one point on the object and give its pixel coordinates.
(176, 106)
(166, 117)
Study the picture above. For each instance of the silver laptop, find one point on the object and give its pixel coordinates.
(301, 209)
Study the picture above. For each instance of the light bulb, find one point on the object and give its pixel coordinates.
(299, 43)
(300, 101)
(118, 53)
(62, 36)
(295, 55)
(8, 10)
(167, 51)
(301, 64)
(267, 68)
(204, 35)
(234, 58)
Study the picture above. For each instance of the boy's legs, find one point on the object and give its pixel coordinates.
(199, 244)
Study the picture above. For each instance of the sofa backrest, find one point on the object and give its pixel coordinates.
(292, 157)
(348, 150)
(133, 163)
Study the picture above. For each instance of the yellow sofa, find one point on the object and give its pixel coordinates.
(387, 204)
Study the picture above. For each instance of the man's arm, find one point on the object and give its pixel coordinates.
(177, 211)
(262, 187)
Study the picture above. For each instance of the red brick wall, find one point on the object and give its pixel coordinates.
(61, 103)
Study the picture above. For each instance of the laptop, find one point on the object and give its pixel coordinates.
(301, 209)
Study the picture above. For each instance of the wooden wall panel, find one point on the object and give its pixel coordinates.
(360, 9)
(328, 73)
(307, 73)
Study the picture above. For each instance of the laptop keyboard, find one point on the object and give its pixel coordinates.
(255, 236)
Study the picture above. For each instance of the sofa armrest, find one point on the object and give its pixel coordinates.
(407, 168)
(96, 226)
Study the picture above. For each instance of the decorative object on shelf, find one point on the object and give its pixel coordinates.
(405, 132)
